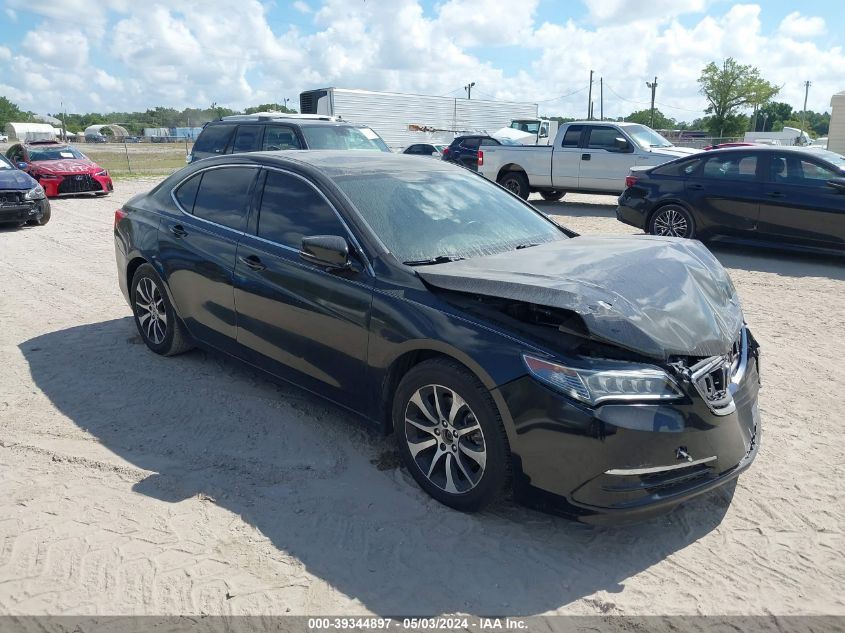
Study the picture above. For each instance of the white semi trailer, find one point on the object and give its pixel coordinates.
(405, 119)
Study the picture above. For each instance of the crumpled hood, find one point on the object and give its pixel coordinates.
(657, 296)
(65, 166)
(15, 179)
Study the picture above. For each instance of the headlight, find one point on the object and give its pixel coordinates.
(102, 172)
(594, 382)
(36, 193)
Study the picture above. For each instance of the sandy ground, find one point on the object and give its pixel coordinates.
(134, 484)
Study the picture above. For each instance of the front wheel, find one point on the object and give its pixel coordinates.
(450, 435)
(155, 317)
(672, 220)
(515, 182)
(553, 195)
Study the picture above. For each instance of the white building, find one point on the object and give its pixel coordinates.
(29, 132)
(836, 133)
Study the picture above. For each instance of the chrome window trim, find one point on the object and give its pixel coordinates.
(657, 469)
(197, 172)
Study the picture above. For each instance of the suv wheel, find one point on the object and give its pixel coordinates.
(450, 435)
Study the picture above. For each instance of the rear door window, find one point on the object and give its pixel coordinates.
(470, 143)
(572, 136)
(486, 142)
(278, 137)
(186, 193)
(248, 138)
(214, 139)
(292, 208)
(224, 196)
(730, 166)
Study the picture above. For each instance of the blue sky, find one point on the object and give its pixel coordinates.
(115, 54)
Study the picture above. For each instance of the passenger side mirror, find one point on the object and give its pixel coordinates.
(620, 144)
(325, 250)
(22, 165)
(838, 184)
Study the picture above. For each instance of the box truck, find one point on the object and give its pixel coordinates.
(404, 119)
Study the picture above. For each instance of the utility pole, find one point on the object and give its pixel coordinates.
(653, 87)
(601, 98)
(64, 129)
(590, 98)
(285, 102)
(468, 88)
(804, 111)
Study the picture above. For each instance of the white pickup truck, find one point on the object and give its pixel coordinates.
(586, 156)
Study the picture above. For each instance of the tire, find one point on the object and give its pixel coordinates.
(515, 182)
(45, 217)
(161, 330)
(672, 220)
(458, 456)
(553, 196)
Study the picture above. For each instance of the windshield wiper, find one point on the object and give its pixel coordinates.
(439, 259)
(519, 247)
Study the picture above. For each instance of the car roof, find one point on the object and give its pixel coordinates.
(345, 162)
(285, 121)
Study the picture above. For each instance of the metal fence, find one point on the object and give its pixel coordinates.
(138, 159)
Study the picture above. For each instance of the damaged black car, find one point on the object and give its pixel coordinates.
(603, 378)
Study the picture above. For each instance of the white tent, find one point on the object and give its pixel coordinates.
(29, 132)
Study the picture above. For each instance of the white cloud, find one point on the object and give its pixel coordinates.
(625, 12)
(170, 53)
(802, 27)
(301, 6)
(11, 15)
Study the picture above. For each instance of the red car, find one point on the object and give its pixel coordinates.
(60, 169)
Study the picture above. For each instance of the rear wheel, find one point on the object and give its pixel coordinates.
(155, 317)
(450, 435)
(553, 195)
(515, 182)
(672, 220)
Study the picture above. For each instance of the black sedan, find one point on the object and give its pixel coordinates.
(22, 199)
(790, 197)
(605, 378)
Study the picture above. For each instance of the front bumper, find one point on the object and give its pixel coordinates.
(23, 212)
(75, 184)
(618, 463)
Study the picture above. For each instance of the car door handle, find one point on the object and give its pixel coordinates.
(696, 187)
(254, 262)
(585, 156)
(178, 231)
(777, 194)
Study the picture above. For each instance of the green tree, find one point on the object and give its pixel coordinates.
(661, 121)
(730, 88)
(269, 107)
(11, 113)
(771, 114)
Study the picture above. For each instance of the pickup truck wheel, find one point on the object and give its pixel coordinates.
(515, 182)
(672, 220)
(553, 196)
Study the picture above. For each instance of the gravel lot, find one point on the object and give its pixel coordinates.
(134, 484)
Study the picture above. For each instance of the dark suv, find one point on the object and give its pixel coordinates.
(269, 132)
(464, 149)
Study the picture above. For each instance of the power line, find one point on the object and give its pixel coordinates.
(568, 94)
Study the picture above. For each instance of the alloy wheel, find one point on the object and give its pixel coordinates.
(445, 439)
(512, 185)
(671, 222)
(151, 311)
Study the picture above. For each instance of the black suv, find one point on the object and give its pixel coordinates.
(464, 149)
(269, 132)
